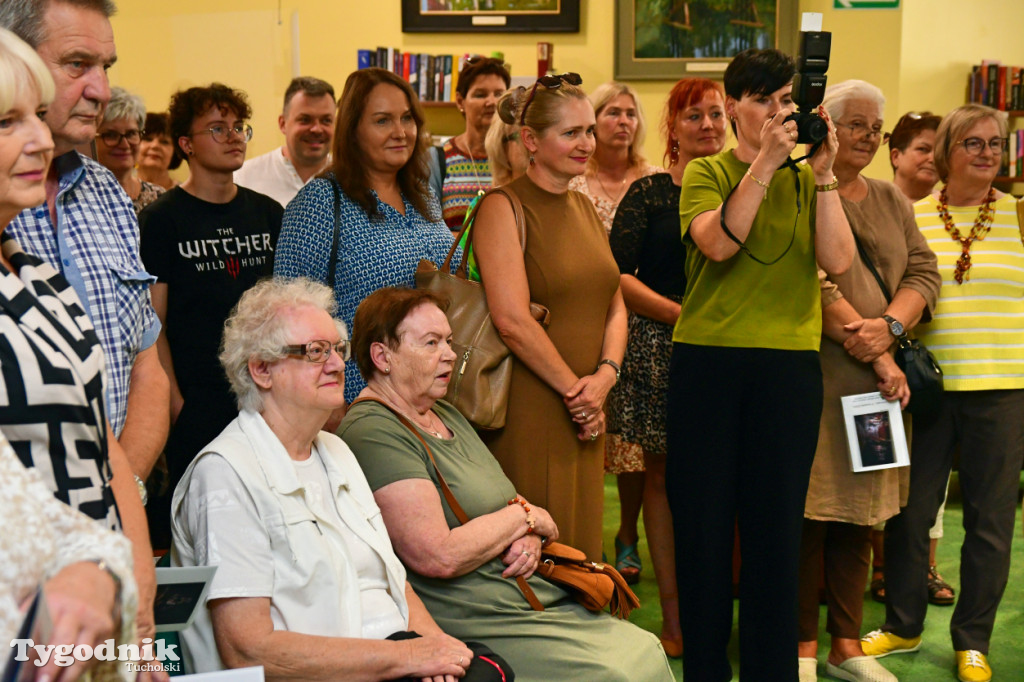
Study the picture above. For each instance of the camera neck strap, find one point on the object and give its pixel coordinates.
(789, 163)
(810, 152)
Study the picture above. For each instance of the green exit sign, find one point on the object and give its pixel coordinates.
(867, 4)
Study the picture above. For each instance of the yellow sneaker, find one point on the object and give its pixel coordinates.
(972, 666)
(879, 644)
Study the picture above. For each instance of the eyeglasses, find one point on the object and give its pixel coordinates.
(975, 145)
(222, 134)
(112, 138)
(552, 82)
(861, 131)
(318, 351)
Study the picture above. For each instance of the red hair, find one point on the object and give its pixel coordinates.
(685, 94)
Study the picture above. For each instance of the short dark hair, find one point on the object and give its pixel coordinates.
(186, 105)
(910, 125)
(24, 18)
(757, 72)
(156, 125)
(378, 317)
(312, 87)
(481, 66)
(348, 164)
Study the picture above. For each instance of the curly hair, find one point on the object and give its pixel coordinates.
(187, 105)
(256, 330)
(481, 66)
(124, 104)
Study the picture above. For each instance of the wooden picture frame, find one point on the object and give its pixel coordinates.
(673, 39)
(534, 16)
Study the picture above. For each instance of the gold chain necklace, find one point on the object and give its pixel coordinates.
(980, 228)
(608, 194)
(479, 185)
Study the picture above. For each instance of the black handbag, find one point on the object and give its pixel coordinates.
(924, 376)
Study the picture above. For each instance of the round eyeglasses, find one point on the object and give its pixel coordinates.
(222, 133)
(319, 351)
(112, 138)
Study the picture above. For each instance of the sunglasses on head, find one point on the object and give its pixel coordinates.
(551, 82)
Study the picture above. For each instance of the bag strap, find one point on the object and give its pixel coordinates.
(332, 264)
(467, 224)
(449, 496)
(456, 508)
(871, 266)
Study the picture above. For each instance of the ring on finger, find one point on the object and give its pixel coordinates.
(593, 436)
(583, 414)
(461, 659)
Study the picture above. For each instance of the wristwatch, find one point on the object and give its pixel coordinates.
(895, 326)
(614, 365)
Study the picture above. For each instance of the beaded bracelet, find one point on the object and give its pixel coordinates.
(530, 522)
(764, 185)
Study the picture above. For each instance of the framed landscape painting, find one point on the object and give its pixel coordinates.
(536, 16)
(670, 39)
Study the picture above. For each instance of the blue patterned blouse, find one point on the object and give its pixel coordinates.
(372, 253)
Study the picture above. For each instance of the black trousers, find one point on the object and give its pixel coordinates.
(742, 431)
(989, 428)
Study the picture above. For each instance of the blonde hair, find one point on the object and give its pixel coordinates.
(543, 111)
(21, 68)
(255, 330)
(955, 125)
(502, 171)
(605, 93)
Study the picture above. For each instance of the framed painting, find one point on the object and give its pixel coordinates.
(466, 16)
(671, 39)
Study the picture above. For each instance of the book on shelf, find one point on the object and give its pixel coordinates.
(432, 77)
(996, 85)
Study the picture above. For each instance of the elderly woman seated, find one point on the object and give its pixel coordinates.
(465, 573)
(308, 585)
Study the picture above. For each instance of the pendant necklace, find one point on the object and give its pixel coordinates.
(981, 227)
(479, 185)
(608, 194)
(428, 429)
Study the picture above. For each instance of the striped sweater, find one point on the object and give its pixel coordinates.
(977, 330)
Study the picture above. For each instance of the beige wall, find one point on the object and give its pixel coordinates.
(914, 54)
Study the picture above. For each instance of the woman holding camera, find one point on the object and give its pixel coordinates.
(745, 391)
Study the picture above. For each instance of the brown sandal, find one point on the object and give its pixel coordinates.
(878, 584)
(936, 585)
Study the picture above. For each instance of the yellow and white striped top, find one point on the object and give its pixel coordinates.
(977, 329)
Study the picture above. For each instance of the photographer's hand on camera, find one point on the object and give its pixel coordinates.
(821, 162)
(778, 140)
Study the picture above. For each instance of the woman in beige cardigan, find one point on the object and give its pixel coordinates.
(859, 336)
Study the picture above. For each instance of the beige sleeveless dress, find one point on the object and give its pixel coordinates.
(570, 269)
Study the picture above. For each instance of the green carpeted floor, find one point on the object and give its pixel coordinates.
(934, 662)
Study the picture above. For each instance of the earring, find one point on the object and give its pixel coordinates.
(533, 161)
(674, 151)
(387, 370)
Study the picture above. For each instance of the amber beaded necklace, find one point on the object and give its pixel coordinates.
(982, 224)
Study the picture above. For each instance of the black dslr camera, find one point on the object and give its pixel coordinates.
(809, 86)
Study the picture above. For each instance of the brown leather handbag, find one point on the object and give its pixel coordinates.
(596, 586)
(481, 380)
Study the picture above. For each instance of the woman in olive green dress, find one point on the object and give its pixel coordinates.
(465, 573)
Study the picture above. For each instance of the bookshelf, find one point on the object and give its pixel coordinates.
(1012, 117)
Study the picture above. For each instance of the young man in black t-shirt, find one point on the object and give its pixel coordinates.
(207, 241)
